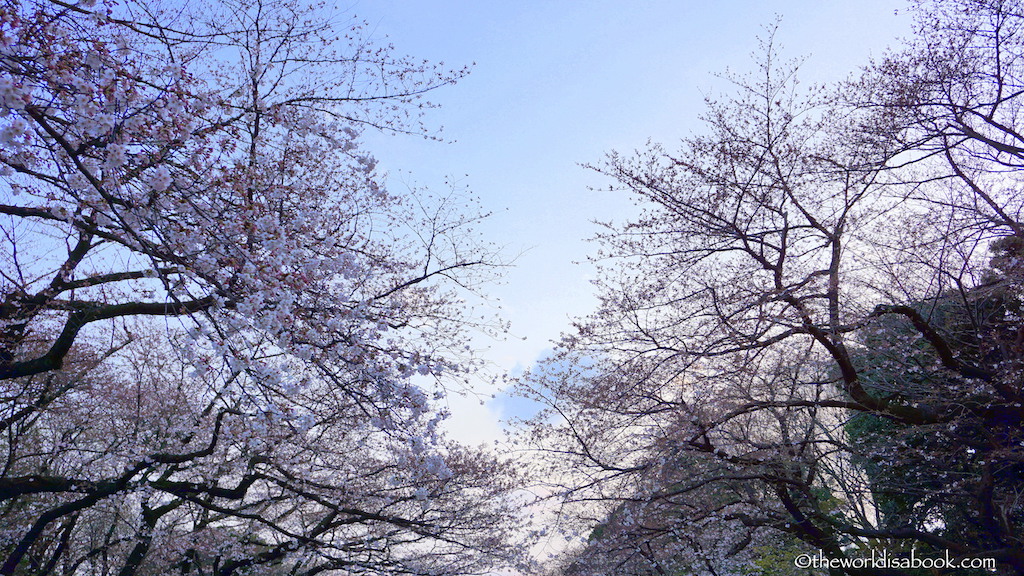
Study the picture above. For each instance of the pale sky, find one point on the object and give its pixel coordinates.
(559, 83)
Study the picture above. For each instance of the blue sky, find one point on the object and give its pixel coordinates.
(559, 83)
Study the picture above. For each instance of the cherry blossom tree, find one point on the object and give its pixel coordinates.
(221, 336)
(813, 333)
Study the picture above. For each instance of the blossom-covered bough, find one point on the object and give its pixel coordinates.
(214, 315)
